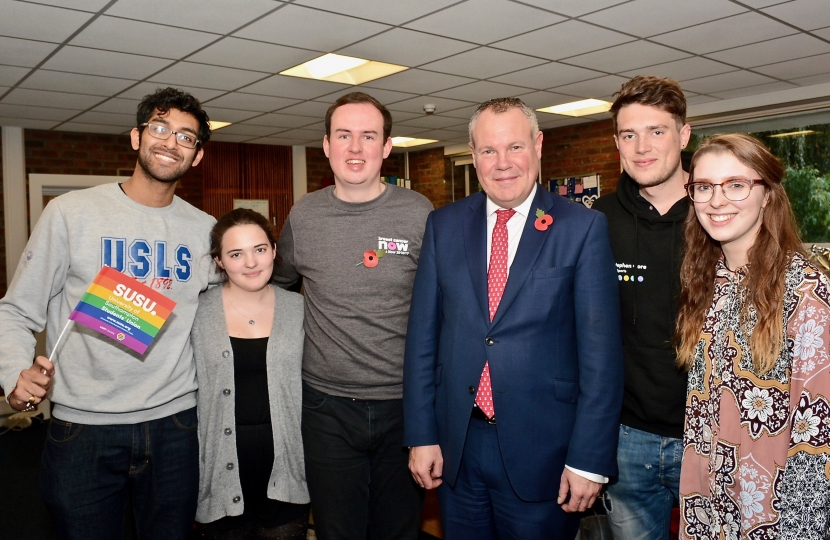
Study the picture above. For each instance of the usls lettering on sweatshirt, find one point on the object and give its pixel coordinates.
(153, 262)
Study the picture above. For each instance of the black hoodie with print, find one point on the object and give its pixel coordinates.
(648, 249)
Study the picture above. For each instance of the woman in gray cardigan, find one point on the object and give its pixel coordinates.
(248, 344)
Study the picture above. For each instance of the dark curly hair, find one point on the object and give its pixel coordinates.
(165, 99)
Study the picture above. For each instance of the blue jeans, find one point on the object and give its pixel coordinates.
(88, 472)
(357, 469)
(639, 504)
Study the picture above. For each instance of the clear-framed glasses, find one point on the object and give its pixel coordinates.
(734, 189)
(160, 131)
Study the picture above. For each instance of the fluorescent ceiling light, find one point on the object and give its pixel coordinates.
(214, 125)
(408, 142)
(343, 69)
(579, 108)
(792, 134)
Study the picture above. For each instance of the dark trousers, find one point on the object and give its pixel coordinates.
(483, 506)
(88, 472)
(357, 469)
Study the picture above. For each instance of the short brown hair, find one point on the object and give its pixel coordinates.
(240, 216)
(663, 93)
(357, 98)
(500, 106)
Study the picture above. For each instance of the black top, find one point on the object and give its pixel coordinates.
(251, 381)
(648, 249)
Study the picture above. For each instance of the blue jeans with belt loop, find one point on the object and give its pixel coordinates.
(89, 471)
(639, 503)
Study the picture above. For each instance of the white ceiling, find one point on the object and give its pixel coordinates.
(82, 65)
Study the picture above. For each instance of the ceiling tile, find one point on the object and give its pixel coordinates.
(90, 128)
(563, 40)
(406, 47)
(386, 12)
(250, 102)
(35, 113)
(310, 29)
(207, 76)
(594, 88)
(438, 134)
(254, 55)
(464, 113)
(679, 70)
(41, 98)
(481, 91)
(754, 90)
(697, 100)
(483, 21)
(796, 69)
(387, 97)
(764, 3)
(548, 75)
(23, 52)
(107, 119)
(627, 57)
(538, 100)
(293, 87)
(805, 14)
(418, 81)
(406, 131)
(815, 79)
(774, 50)
(220, 16)
(725, 33)
(316, 109)
(416, 105)
(27, 123)
(71, 82)
(119, 105)
(281, 121)
(9, 75)
(304, 134)
(142, 89)
(646, 18)
(725, 81)
(483, 63)
(432, 122)
(823, 33)
(248, 129)
(573, 8)
(33, 21)
(82, 5)
(106, 63)
(123, 35)
(228, 115)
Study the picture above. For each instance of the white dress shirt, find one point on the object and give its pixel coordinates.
(514, 234)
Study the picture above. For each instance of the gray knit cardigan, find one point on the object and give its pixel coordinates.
(220, 493)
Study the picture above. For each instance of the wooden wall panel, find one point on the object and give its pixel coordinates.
(247, 171)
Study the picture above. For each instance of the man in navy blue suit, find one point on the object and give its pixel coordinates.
(513, 372)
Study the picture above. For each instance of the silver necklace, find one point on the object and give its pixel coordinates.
(250, 321)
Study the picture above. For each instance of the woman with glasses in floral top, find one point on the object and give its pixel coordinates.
(753, 332)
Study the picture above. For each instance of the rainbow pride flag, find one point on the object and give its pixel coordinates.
(123, 309)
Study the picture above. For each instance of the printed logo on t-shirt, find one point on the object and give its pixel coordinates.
(393, 246)
(153, 263)
(631, 272)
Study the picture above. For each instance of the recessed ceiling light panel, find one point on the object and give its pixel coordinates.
(408, 142)
(579, 108)
(343, 69)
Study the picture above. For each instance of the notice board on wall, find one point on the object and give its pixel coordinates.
(581, 189)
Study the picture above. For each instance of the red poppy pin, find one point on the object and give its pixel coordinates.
(371, 257)
(543, 220)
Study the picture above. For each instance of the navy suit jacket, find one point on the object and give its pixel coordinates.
(554, 346)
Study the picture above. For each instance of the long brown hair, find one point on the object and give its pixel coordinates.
(769, 257)
(239, 216)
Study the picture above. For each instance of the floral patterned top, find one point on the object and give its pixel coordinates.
(756, 460)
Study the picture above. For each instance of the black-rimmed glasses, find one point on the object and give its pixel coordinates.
(735, 189)
(162, 132)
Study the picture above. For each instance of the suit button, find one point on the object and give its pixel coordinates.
(226, 391)
(225, 354)
(489, 341)
(237, 499)
(230, 466)
(228, 431)
(471, 390)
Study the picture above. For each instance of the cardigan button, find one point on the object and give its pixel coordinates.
(226, 391)
(471, 390)
(225, 354)
(237, 499)
(228, 431)
(230, 466)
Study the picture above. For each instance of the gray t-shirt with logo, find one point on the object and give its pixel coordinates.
(355, 314)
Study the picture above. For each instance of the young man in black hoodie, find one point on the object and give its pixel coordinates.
(645, 217)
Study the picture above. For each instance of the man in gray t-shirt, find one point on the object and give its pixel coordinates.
(356, 246)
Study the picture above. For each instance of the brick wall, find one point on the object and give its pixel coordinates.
(428, 170)
(582, 150)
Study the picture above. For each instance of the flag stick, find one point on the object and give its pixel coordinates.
(68, 322)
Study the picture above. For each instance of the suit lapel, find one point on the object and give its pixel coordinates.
(529, 247)
(475, 246)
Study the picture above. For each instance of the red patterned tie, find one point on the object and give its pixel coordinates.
(496, 281)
